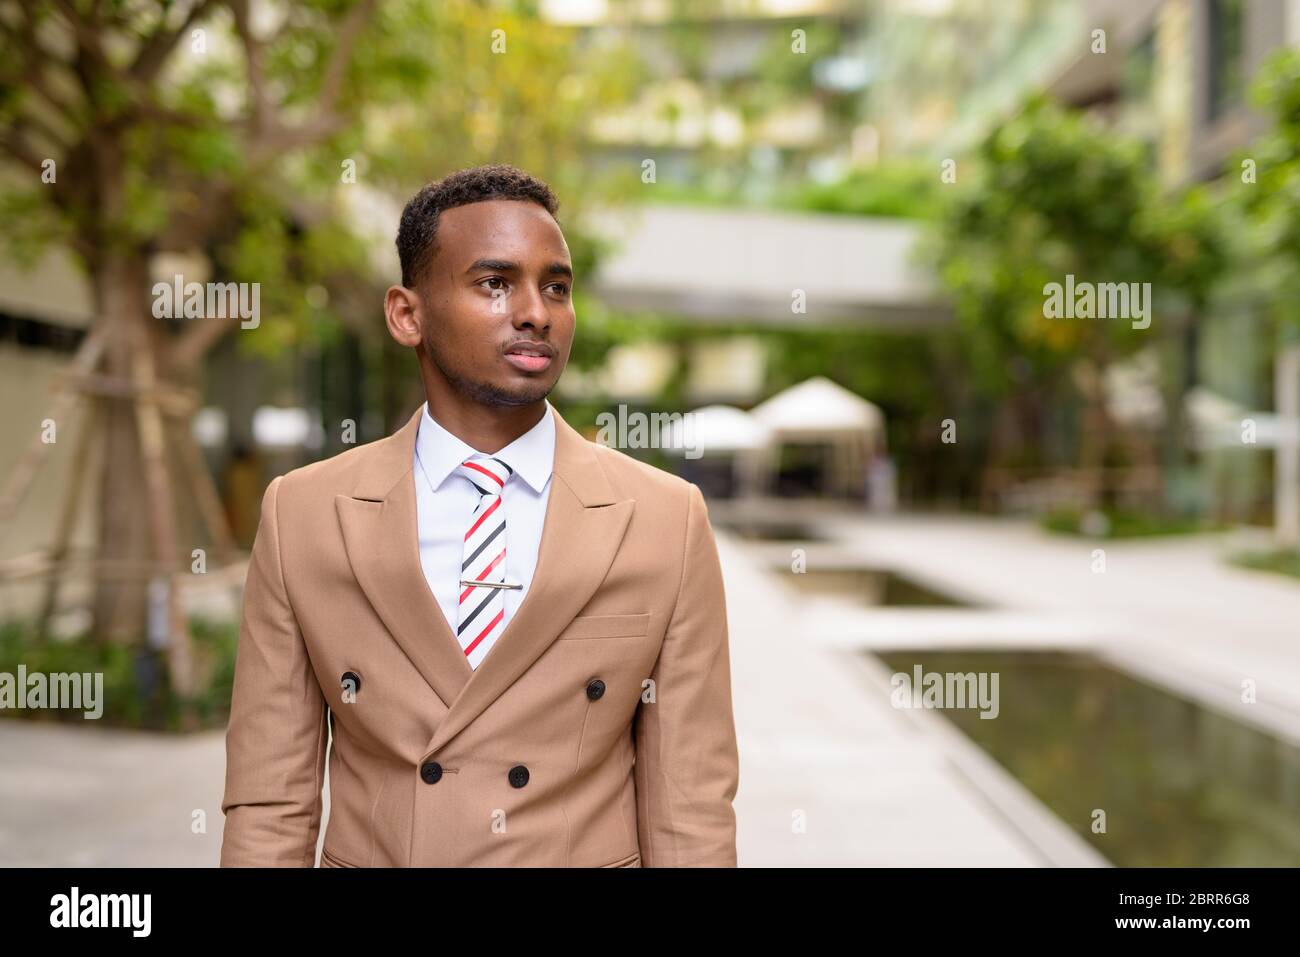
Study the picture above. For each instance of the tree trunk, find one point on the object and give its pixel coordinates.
(120, 606)
(997, 458)
(1096, 436)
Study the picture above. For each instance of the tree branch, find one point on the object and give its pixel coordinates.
(21, 152)
(33, 122)
(154, 52)
(36, 82)
(336, 69)
(195, 342)
(88, 34)
(276, 138)
(35, 59)
(253, 54)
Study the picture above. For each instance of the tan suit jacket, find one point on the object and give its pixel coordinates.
(597, 731)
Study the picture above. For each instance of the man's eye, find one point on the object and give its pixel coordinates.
(561, 288)
(491, 279)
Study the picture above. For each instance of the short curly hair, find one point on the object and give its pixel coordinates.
(418, 229)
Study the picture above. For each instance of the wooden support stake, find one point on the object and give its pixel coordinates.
(68, 518)
(37, 451)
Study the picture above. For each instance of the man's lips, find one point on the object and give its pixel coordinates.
(530, 356)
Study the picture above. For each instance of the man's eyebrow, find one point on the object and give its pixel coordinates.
(497, 265)
(503, 265)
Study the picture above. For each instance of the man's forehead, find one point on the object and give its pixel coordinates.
(476, 230)
(512, 212)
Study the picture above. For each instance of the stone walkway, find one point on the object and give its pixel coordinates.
(831, 774)
(75, 796)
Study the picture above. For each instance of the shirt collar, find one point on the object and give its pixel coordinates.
(532, 455)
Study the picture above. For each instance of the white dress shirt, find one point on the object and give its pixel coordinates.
(445, 502)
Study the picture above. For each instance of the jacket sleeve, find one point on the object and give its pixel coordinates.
(276, 741)
(687, 766)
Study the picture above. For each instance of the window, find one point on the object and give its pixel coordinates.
(1225, 73)
(1139, 70)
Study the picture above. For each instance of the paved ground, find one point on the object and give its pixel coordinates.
(830, 773)
(97, 797)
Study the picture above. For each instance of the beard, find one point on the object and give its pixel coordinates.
(484, 393)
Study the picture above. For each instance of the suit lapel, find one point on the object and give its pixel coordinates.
(582, 531)
(382, 538)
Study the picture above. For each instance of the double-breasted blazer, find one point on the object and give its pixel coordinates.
(597, 731)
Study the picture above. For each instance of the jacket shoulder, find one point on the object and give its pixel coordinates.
(636, 479)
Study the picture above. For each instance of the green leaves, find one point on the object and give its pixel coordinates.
(1267, 209)
(235, 146)
(1051, 193)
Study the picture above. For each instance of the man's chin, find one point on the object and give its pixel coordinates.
(510, 393)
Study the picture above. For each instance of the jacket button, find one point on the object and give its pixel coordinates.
(431, 772)
(595, 688)
(518, 776)
(351, 679)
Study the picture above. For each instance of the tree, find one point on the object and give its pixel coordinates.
(1051, 194)
(233, 129)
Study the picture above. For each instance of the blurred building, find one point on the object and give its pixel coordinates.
(733, 99)
(44, 312)
(1176, 74)
(944, 70)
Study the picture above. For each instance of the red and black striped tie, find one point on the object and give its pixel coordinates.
(483, 609)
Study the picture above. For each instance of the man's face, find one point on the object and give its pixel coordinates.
(497, 301)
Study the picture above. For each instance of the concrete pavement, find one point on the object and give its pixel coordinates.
(831, 774)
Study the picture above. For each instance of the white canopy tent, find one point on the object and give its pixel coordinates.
(724, 432)
(718, 430)
(819, 411)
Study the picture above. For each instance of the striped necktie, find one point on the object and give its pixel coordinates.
(483, 609)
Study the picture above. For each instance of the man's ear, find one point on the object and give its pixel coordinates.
(402, 315)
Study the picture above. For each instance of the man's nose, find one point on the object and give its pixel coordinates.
(530, 309)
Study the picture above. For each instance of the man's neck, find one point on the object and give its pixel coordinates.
(485, 428)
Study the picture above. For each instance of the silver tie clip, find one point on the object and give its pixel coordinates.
(491, 584)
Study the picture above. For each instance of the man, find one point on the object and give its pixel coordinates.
(517, 638)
